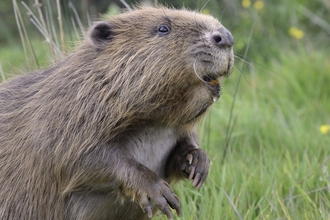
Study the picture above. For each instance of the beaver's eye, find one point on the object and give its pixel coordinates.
(163, 29)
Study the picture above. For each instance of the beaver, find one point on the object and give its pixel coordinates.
(102, 133)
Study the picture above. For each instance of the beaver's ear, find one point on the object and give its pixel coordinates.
(100, 34)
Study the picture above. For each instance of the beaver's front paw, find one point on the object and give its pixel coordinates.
(196, 165)
(159, 195)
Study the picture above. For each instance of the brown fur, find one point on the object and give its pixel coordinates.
(97, 135)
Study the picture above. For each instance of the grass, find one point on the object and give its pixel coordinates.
(277, 165)
(13, 60)
(277, 162)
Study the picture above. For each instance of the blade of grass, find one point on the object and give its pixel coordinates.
(230, 123)
(77, 18)
(24, 35)
(233, 205)
(59, 18)
(129, 8)
(52, 31)
(41, 17)
(74, 27)
(316, 19)
(42, 29)
(2, 73)
(67, 14)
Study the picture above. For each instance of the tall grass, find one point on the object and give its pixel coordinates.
(276, 162)
(54, 33)
(269, 158)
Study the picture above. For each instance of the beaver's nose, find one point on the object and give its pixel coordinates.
(223, 38)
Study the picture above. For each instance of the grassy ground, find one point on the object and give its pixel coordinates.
(277, 161)
(273, 161)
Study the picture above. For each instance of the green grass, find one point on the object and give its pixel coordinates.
(277, 162)
(13, 60)
(277, 165)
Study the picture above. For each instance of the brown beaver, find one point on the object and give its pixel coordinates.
(100, 134)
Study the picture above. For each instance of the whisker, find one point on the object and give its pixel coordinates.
(251, 62)
(243, 60)
(250, 84)
(240, 72)
(195, 71)
(239, 34)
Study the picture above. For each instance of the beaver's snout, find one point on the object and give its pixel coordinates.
(222, 38)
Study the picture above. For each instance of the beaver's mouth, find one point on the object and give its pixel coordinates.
(212, 81)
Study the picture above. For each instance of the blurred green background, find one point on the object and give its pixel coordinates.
(268, 136)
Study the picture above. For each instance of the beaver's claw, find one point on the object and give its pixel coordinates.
(159, 195)
(196, 166)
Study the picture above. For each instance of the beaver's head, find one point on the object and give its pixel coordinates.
(167, 62)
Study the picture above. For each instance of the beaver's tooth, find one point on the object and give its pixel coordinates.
(214, 82)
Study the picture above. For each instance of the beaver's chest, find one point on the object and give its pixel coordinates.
(152, 146)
